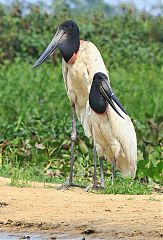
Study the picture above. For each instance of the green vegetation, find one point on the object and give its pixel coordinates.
(35, 114)
(125, 186)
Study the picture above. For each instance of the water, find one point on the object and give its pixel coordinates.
(37, 236)
(25, 236)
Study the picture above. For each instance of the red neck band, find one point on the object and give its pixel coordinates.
(74, 56)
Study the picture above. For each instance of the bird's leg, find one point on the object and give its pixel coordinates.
(95, 167)
(73, 139)
(102, 173)
(94, 184)
(72, 157)
(113, 170)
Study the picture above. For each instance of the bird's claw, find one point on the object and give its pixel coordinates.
(67, 184)
(93, 186)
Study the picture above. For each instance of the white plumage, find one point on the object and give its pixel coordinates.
(79, 75)
(115, 138)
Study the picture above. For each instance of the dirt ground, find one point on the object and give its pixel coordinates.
(76, 212)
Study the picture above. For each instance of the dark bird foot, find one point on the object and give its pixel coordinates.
(94, 186)
(66, 185)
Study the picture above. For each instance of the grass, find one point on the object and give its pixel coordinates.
(125, 186)
(35, 123)
(21, 177)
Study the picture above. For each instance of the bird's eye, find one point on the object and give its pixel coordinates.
(66, 25)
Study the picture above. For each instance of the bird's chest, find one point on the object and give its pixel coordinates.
(101, 129)
(78, 85)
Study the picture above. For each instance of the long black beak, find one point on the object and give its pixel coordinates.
(110, 97)
(59, 37)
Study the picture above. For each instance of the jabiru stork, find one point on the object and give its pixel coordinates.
(81, 60)
(114, 136)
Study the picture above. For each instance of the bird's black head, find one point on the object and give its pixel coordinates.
(70, 28)
(101, 94)
(72, 42)
(66, 39)
(98, 78)
(96, 100)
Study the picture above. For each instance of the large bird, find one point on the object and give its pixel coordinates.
(81, 60)
(114, 136)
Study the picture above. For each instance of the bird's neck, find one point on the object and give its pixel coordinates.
(96, 101)
(69, 50)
